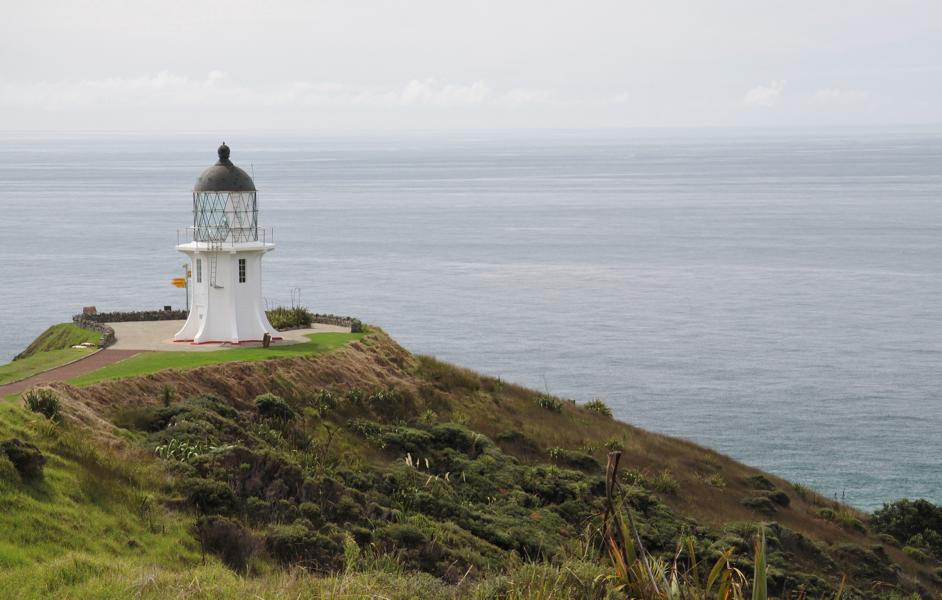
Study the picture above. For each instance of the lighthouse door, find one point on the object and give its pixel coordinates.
(200, 290)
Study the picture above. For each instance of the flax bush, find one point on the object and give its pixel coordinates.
(44, 401)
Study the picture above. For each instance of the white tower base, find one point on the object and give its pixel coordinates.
(226, 293)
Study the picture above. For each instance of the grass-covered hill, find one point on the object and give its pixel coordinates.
(371, 472)
(51, 349)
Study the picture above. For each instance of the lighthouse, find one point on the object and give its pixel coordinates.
(225, 247)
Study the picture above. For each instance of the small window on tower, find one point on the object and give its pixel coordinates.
(241, 270)
(199, 270)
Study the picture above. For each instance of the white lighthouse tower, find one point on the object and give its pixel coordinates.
(225, 246)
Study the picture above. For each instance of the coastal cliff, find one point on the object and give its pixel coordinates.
(370, 470)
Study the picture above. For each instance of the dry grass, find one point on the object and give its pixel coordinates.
(705, 485)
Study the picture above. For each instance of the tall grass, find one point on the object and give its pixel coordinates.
(637, 574)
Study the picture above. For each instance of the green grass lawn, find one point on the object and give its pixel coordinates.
(51, 349)
(88, 504)
(37, 363)
(151, 362)
(60, 337)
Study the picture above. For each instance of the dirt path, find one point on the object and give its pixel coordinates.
(65, 372)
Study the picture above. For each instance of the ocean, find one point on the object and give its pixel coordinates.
(772, 295)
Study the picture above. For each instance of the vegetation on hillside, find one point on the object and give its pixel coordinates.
(916, 524)
(370, 471)
(78, 509)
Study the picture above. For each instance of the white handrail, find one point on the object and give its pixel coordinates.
(225, 235)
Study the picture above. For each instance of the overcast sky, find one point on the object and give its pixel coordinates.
(194, 65)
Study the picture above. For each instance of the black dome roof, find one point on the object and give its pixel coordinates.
(224, 176)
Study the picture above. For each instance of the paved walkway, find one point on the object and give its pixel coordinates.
(90, 363)
(158, 336)
(145, 336)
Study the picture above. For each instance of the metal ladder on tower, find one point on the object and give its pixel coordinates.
(215, 247)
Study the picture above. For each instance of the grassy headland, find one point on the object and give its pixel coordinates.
(152, 362)
(51, 349)
(368, 471)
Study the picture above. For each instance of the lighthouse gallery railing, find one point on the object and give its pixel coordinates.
(222, 235)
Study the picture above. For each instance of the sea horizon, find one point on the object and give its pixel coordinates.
(770, 295)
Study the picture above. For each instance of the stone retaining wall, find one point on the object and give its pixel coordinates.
(137, 315)
(107, 333)
(97, 321)
(354, 324)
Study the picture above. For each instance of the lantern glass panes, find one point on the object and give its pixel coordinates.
(225, 217)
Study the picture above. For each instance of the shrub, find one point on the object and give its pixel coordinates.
(324, 401)
(391, 403)
(760, 482)
(845, 518)
(613, 445)
(599, 407)
(185, 452)
(296, 543)
(403, 535)
(576, 460)
(664, 483)
(712, 479)
(271, 406)
(365, 428)
(408, 439)
(209, 496)
(804, 492)
(759, 504)
(228, 540)
(145, 418)
(905, 518)
(549, 403)
(552, 484)
(916, 554)
(871, 563)
(311, 512)
(44, 401)
(283, 317)
(26, 458)
(519, 441)
(354, 396)
(887, 539)
(779, 497)
(848, 520)
(928, 540)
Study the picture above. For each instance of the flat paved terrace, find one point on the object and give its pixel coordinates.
(148, 336)
(158, 336)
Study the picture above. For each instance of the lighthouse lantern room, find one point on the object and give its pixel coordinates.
(225, 246)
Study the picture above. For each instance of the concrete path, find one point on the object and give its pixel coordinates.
(146, 336)
(90, 363)
(158, 336)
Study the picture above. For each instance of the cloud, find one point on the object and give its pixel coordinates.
(840, 96)
(764, 95)
(220, 89)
